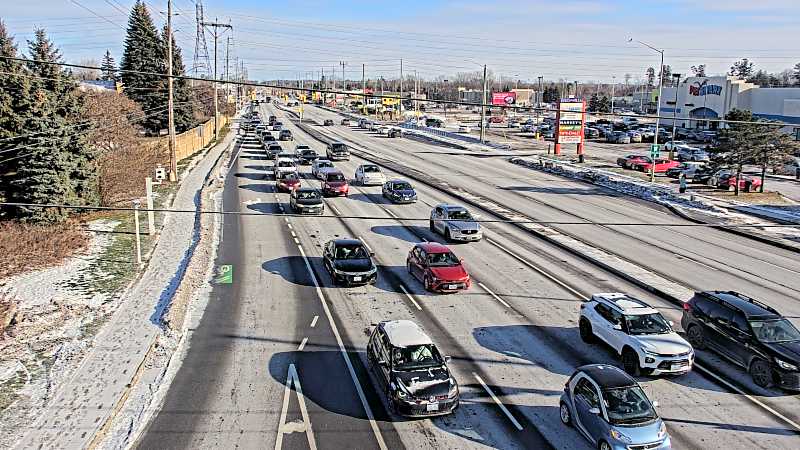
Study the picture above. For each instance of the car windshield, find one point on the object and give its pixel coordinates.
(371, 169)
(442, 260)
(335, 177)
(775, 331)
(309, 153)
(325, 164)
(285, 164)
(338, 147)
(628, 405)
(403, 186)
(647, 324)
(460, 214)
(416, 357)
(289, 176)
(308, 195)
(351, 252)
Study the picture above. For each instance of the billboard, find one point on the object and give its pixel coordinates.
(569, 118)
(504, 98)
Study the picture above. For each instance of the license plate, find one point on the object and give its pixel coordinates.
(432, 407)
(356, 278)
(452, 286)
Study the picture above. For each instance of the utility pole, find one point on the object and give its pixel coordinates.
(416, 95)
(173, 154)
(216, 26)
(343, 63)
(483, 107)
(613, 83)
(322, 85)
(364, 86)
(677, 78)
(228, 66)
(401, 89)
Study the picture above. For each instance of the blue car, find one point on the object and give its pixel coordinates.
(610, 408)
(399, 191)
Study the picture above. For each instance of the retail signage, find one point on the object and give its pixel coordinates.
(570, 117)
(700, 89)
(504, 98)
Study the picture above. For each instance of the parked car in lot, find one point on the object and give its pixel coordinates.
(673, 145)
(749, 333)
(306, 201)
(349, 262)
(287, 182)
(335, 183)
(630, 161)
(455, 223)
(618, 137)
(320, 166)
(661, 165)
(307, 156)
(345, 121)
(399, 191)
(591, 133)
(496, 119)
(635, 136)
(285, 135)
(610, 409)
(790, 166)
(687, 153)
(369, 174)
(411, 370)
(328, 122)
(337, 151)
(438, 268)
(688, 169)
(726, 179)
(464, 129)
(645, 341)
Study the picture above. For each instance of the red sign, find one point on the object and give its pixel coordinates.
(570, 119)
(504, 98)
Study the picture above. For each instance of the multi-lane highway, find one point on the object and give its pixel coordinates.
(278, 360)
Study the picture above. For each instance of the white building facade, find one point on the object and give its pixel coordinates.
(700, 98)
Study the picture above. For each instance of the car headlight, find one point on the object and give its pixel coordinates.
(662, 431)
(453, 389)
(785, 365)
(620, 437)
(339, 272)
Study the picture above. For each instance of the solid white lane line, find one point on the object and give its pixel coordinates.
(314, 321)
(410, 297)
(302, 344)
(499, 403)
(345, 356)
(390, 212)
(537, 269)
(494, 295)
(296, 241)
(293, 378)
(749, 397)
(334, 209)
(365, 243)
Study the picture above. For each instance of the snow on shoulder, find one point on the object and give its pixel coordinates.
(405, 333)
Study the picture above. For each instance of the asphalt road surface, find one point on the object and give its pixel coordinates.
(278, 359)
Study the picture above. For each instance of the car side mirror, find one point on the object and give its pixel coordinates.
(371, 253)
(618, 327)
(595, 411)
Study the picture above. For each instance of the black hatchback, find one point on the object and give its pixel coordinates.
(747, 332)
(349, 262)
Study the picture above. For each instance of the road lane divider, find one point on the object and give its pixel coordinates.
(302, 344)
(410, 297)
(314, 321)
(496, 297)
(499, 403)
(293, 379)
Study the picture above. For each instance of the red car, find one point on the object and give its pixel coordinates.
(496, 119)
(632, 161)
(662, 165)
(437, 268)
(288, 182)
(726, 179)
(335, 183)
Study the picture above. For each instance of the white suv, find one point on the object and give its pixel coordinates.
(639, 333)
(369, 174)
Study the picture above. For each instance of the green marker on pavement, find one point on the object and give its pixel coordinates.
(224, 274)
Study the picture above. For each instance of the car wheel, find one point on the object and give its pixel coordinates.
(696, 337)
(563, 412)
(604, 445)
(630, 362)
(585, 329)
(430, 225)
(761, 373)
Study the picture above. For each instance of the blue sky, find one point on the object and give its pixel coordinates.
(571, 39)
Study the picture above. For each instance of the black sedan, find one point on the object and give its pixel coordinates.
(328, 122)
(349, 262)
(306, 157)
(399, 191)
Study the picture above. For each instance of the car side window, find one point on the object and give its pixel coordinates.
(604, 311)
(739, 323)
(718, 312)
(586, 391)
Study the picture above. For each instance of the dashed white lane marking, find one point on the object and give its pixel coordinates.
(293, 235)
(388, 211)
(287, 223)
(293, 378)
(314, 321)
(302, 344)
(679, 256)
(537, 269)
(410, 297)
(365, 244)
(499, 403)
(496, 297)
(336, 211)
(370, 416)
(296, 241)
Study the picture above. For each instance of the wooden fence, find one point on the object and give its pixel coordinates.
(189, 142)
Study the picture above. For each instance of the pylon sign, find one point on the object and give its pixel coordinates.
(570, 119)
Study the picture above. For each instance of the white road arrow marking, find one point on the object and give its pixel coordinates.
(294, 426)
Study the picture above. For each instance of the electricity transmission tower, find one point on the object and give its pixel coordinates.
(202, 62)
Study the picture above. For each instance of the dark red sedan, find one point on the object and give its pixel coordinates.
(288, 182)
(437, 268)
(335, 183)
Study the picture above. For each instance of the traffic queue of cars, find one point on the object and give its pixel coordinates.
(604, 403)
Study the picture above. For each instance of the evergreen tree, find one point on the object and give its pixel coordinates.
(144, 52)
(108, 67)
(742, 69)
(796, 74)
(56, 165)
(182, 94)
(666, 74)
(593, 103)
(651, 77)
(699, 70)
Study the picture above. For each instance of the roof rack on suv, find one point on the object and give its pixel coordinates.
(743, 297)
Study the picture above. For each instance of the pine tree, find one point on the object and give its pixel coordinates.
(108, 67)
(144, 52)
(182, 95)
(651, 77)
(57, 165)
(742, 69)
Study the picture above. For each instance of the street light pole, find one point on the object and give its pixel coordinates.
(613, 83)
(173, 155)
(658, 102)
(483, 107)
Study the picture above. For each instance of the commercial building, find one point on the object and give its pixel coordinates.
(525, 97)
(700, 98)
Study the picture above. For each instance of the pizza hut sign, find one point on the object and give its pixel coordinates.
(700, 89)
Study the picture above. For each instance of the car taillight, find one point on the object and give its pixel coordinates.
(687, 306)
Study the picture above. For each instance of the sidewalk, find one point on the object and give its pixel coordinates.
(83, 404)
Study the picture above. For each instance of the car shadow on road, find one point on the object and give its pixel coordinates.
(251, 176)
(265, 208)
(411, 233)
(254, 158)
(514, 341)
(267, 188)
(731, 427)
